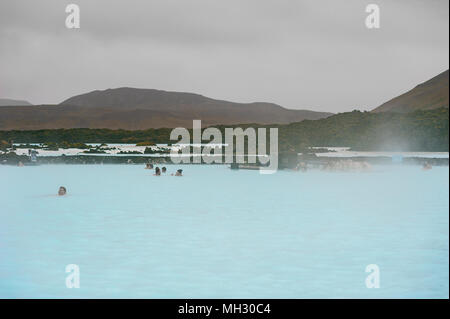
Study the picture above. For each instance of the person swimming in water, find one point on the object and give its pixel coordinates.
(148, 166)
(62, 191)
(302, 166)
(164, 169)
(179, 172)
(426, 166)
(157, 172)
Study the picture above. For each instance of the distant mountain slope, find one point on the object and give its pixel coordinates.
(132, 98)
(431, 94)
(134, 109)
(182, 105)
(10, 102)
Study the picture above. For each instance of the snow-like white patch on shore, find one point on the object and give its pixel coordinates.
(334, 152)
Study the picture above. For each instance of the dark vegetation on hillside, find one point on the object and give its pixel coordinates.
(416, 131)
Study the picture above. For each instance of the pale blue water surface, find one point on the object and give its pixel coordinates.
(217, 233)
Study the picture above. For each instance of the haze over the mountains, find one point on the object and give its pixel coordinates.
(311, 54)
(137, 109)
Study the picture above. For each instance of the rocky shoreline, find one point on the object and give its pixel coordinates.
(286, 161)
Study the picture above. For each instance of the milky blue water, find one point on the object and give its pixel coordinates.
(217, 233)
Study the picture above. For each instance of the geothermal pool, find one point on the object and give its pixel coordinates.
(217, 233)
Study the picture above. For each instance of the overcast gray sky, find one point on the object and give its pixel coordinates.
(314, 54)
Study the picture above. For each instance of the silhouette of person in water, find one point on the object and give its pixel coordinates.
(157, 172)
(163, 170)
(426, 166)
(302, 166)
(62, 191)
(179, 172)
(148, 166)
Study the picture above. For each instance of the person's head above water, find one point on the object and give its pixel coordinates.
(62, 191)
(179, 172)
(163, 169)
(157, 171)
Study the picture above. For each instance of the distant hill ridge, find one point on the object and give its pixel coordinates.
(135, 98)
(431, 94)
(11, 102)
(158, 100)
(134, 109)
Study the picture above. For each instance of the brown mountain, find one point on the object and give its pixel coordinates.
(431, 94)
(133, 109)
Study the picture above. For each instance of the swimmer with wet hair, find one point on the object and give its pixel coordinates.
(179, 172)
(157, 172)
(164, 169)
(62, 191)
